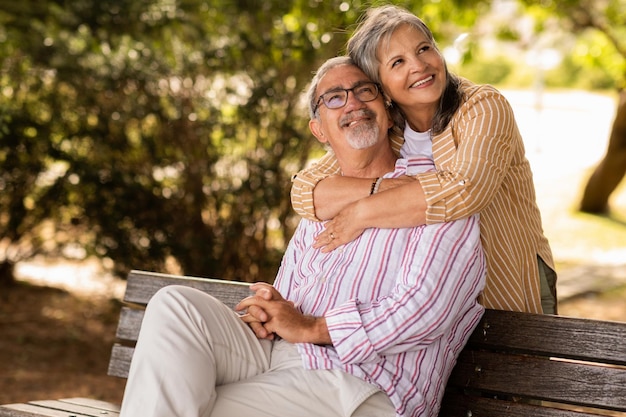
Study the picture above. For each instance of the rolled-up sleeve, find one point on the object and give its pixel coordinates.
(305, 181)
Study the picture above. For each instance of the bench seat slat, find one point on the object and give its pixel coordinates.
(74, 408)
(566, 337)
(97, 404)
(31, 410)
(540, 378)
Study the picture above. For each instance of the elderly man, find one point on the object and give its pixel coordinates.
(372, 328)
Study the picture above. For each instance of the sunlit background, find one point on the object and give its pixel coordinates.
(564, 107)
(566, 134)
(170, 130)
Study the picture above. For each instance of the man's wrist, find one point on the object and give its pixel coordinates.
(318, 332)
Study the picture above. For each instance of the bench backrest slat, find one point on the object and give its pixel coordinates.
(141, 286)
(542, 378)
(129, 324)
(119, 364)
(566, 337)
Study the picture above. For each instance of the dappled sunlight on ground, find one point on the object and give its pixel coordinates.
(80, 277)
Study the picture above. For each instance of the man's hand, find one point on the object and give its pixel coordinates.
(254, 315)
(269, 310)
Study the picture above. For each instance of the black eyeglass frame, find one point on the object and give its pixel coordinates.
(321, 99)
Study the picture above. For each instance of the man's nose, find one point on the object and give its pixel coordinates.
(352, 102)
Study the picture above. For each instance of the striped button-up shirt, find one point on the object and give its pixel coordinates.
(481, 167)
(399, 303)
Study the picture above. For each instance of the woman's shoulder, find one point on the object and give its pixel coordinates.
(481, 99)
(472, 90)
(477, 97)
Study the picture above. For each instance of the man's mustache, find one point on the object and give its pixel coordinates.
(356, 115)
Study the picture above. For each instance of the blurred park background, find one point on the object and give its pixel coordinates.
(162, 135)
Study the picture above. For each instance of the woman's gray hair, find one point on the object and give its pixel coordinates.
(311, 94)
(375, 28)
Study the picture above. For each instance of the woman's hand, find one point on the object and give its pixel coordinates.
(399, 203)
(343, 228)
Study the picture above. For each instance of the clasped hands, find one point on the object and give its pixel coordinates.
(269, 315)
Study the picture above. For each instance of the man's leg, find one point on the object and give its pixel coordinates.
(189, 343)
(378, 405)
(287, 389)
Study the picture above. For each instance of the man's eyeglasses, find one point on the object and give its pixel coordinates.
(336, 99)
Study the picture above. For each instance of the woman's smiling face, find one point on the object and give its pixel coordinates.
(412, 72)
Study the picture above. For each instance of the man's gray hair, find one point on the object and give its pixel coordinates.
(311, 95)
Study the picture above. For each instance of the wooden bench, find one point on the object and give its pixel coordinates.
(515, 364)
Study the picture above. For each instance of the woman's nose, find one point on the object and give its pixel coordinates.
(418, 64)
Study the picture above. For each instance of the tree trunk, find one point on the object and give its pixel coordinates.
(7, 277)
(611, 169)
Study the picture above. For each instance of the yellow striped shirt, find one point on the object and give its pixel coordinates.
(481, 167)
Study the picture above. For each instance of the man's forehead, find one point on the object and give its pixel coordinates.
(343, 76)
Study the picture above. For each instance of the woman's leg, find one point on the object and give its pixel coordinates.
(548, 288)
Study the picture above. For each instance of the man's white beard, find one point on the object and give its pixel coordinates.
(363, 136)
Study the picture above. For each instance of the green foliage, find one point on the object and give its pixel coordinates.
(488, 70)
(599, 56)
(153, 133)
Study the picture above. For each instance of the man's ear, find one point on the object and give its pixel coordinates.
(389, 118)
(316, 128)
(388, 109)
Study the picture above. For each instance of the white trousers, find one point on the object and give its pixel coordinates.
(196, 358)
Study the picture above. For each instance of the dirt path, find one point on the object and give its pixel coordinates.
(56, 344)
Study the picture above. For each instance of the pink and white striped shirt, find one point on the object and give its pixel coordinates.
(399, 303)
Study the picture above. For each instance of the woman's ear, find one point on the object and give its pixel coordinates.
(316, 128)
